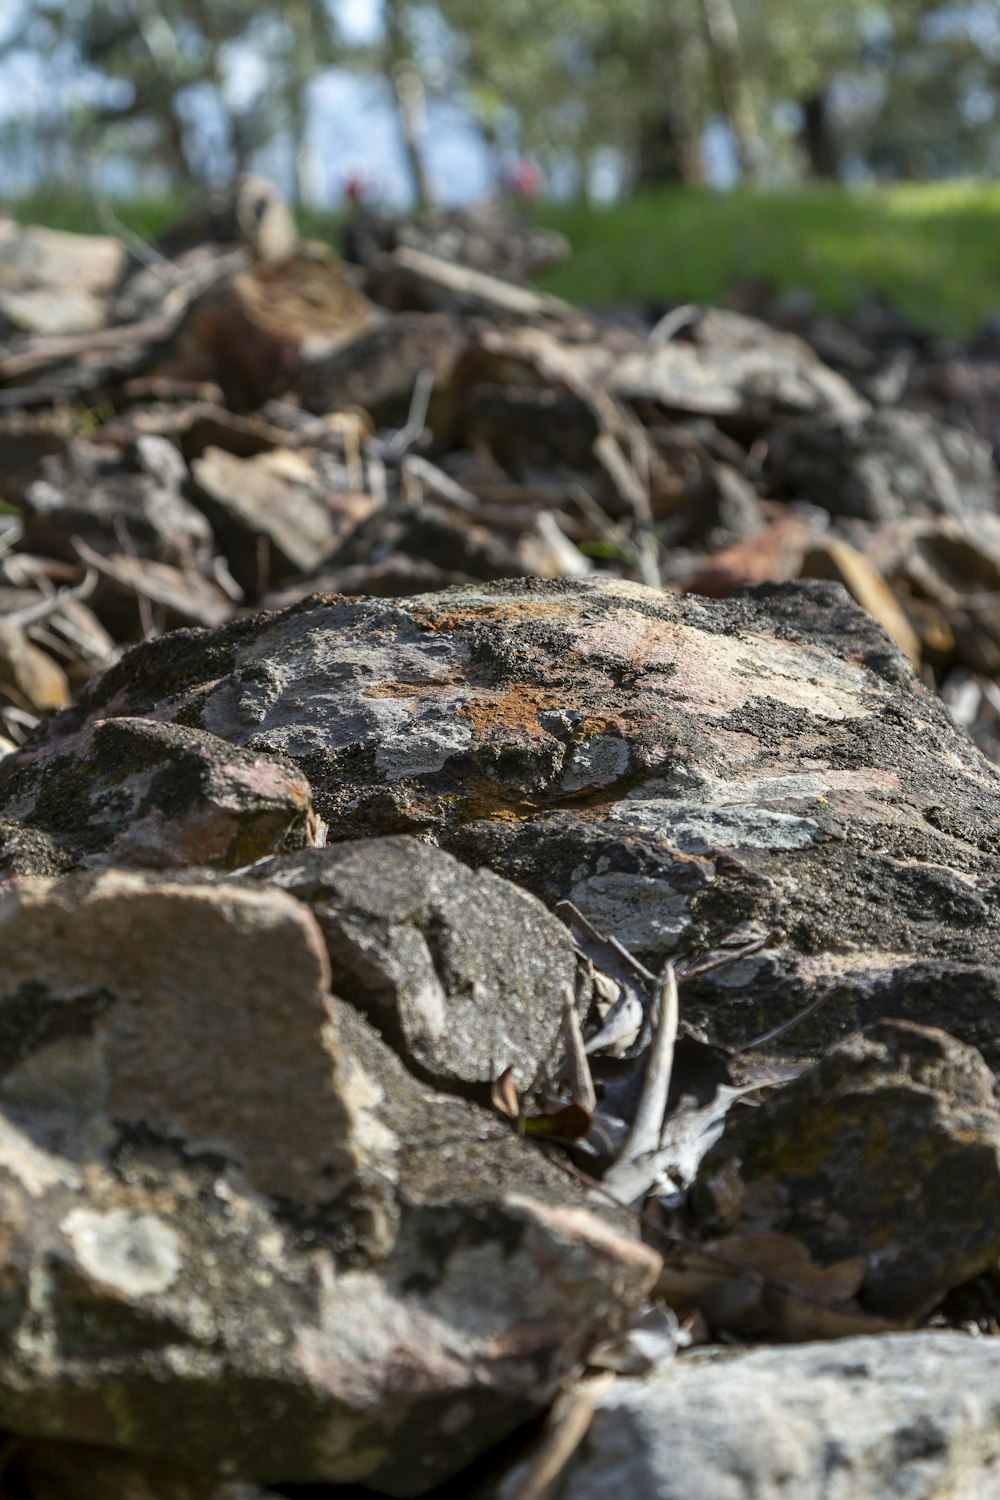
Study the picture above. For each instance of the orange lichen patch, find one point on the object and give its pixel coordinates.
(619, 724)
(482, 799)
(387, 689)
(513, 708)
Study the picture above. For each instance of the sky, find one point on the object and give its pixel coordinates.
(352, 129)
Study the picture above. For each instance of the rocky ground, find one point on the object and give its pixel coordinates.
(501, 986)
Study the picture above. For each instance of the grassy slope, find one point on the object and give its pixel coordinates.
(931, 250)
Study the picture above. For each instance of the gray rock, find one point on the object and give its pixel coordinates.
(889, 1148)
(54, 283)
(732, 366)
(679, 768)
(268, 527)
(451, 545)
(461, 970)
(238, 1235)
(139, 794)
(377, 369)
(487, 236)
(114, 501)
(900, 1417)
(880, 467)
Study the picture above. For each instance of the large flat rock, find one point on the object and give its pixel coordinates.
(915, 1415)
(681, 769)
(238, 1234)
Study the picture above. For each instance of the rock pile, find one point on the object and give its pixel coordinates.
(444, 1028)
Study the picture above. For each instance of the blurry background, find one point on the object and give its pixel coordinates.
(717, 128)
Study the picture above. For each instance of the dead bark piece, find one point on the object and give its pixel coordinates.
(412, 280)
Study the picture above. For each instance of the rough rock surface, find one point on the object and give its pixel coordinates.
(141, 794)
(237, 1233)
(914, 1415)
(679, 769)
(733, 366)
(462, 971)
(102, 497)
(888, 1148)
(884, 465)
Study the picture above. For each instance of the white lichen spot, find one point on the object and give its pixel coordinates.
(417, 747)
(598, 761)
(699, 812)
(137, 1254)
(640, 910)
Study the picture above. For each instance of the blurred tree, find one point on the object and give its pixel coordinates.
(941, 75)
(199, 84)
(581, 76)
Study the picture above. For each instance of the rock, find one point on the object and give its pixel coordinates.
(135, 793)
(462, 971)
(87, 957)
(456, 548)
(29, 851)
(888, 1148)
(736, 367)
(678, 768)
(272, 519)
(883, 465)
(250, 333)
(725, 506)
(904, 1414)
(487, 236)
(56, 283)
(113, 501)
(834, 559)
(379, 366)
(248, 1239)
(773, 555)
(25, 439)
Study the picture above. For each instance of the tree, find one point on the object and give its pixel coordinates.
(164, 73)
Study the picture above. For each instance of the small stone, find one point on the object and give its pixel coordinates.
(462, 970)
(888, 1148)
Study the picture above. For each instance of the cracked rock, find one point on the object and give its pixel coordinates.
(904, 1414)
(679, 768)
(462, 970)
(889, 1148)
(238, 1235)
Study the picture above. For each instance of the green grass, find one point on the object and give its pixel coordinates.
(931, 250)
(80, 213)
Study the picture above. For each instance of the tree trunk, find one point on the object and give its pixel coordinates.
(669, 136)
(723, 33)
(819, 138)
(667, 153)
(408, 96)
